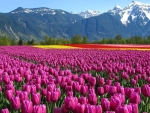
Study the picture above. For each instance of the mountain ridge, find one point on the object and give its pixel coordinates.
(35, 23)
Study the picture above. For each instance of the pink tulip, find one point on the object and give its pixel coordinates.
(90, 109)
(112, 90)
(27, 106)
(105, 104)
(48, 96)
(44, 92)
(82, 100)
(9, 94)
(135, 98)
(100, 90)
(146, 90)
(36, 98)
(84, 90)
(99, 109)
(15, 102)
(54, 96)
(39, 109)
(27, 88)
(23, 96)
(101, 81)
(70, 103)
(80, 108)
(92, 99)
(5, 110)
(115, 102)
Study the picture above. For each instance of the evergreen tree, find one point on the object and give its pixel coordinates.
(85, 40)
(77, 39)
(20, 42)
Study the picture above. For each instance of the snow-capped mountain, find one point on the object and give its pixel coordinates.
(134, 12)
(42, 10)
(89, 13)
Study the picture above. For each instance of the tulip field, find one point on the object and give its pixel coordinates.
(87, 78)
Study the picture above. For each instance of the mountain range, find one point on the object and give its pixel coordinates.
(35, 23)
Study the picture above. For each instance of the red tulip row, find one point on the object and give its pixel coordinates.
(80, 81)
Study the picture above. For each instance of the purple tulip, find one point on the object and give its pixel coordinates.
(33, 89)
(128, 91)
(90, 109)
(109, 82)
(51, 87)
(15, 102)
(121, 90)
(146, 90)
(134, 108)
(101, 81)
(92, 99)
(5, 110)
(92, 81)
(70, 103)
(9, 94)
(121, 97)
(112, 90)
(68, 88)
(54, 96)
(27, 88)
(39, 108)
(100, 90)
(81, 81)
(10, 87)
(84, 90)
(80, 108)
(106, 88)
(116, 84)
(18, 92)
(135, 98)
(110, 112)
(105, 104)
(70, 93)
(23, 96)
(82, 100)
(122, 109)
(115, 102)
(38, 86)
(133, 82)
(28, 78)
(27, 106)
(99, 109)
(44, 92)
(36, 98)
(48, 96)
(38, 80)
(138, 90)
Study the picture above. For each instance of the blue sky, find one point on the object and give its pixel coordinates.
(67, 5)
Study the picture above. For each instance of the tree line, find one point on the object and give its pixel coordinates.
(119, 40)
(77, 39)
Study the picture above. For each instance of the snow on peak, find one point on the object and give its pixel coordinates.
(42, 11)
(131, 12)
(89, 13)
(117, 7)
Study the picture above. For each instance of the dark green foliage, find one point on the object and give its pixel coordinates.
(77, 39)
(119, 40)
(5, 41)
(30, 42)
(85, 40)
(20, 42)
